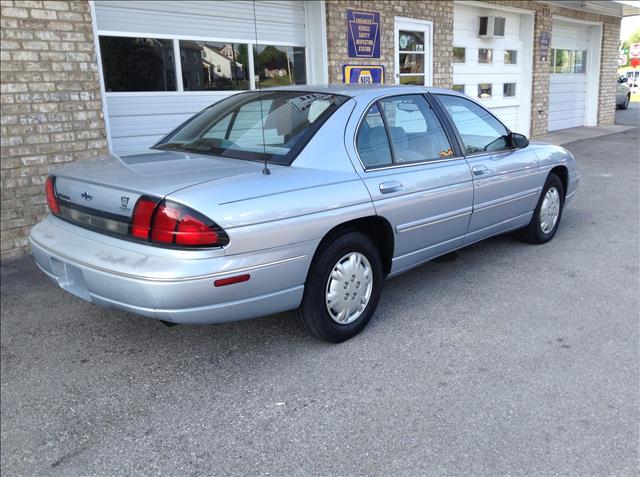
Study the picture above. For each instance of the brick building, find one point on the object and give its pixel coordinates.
(81, 78)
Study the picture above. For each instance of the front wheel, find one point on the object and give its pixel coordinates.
(342, 289)
(546, 216)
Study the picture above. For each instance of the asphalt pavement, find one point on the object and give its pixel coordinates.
(629, 116)
(502, 358)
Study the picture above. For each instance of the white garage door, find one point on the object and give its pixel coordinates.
(568, 78)
(494, 70)
(163, 61)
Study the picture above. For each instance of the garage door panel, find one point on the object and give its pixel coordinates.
(574, 90)
(508, 115)
(470, 74)
(147, 104)
(506, 72)
(466, 21)
(565, 114)
(574, 97)
(568, 91)
(276, 20)
(137, 144)
(139, 119)
(554, 125)
(569, 102)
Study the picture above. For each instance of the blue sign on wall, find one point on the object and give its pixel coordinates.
(363, 74)
(363, 34)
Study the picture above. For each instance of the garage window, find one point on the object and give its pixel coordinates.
(458, 87)
(137, 64)
(485, 55)
(510, 57)
(211, 66)
(580, 65)
(279, 65)
(568, 61)
(141, 64)
(508, 90)
(459, 54)
(484, 91)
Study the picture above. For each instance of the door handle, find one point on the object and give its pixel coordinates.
(480, 170)
(391, 186)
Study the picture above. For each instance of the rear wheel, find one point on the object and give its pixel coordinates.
(342, 289)
(546, 217)
(625, 105)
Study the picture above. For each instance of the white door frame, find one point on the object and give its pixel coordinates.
(404, 23)
(593, 66)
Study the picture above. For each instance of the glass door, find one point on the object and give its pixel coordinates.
(412, 52)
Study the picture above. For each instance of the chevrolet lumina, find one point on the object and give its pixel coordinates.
(301, 198)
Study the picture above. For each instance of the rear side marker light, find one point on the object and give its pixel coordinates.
(231, 280)
(50, 192)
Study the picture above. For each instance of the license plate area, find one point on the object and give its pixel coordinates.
(70, 278)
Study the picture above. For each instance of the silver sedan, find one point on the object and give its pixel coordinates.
(296, 198)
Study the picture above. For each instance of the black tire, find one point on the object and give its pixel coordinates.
(533, 232)
(625, 105)
(313, 313)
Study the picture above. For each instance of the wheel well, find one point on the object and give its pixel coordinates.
(377, 228)
(563, 173)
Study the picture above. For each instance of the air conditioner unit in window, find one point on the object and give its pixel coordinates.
(491, 27)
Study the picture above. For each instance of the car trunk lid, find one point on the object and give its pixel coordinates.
(112, 184)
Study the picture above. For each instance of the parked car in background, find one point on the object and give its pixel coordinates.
(633, 79)
(623, 93)
(296, 198)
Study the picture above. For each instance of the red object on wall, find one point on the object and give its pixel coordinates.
(635, 62)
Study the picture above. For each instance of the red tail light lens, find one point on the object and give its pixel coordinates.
(192, 231)
(141, 218)
(165, 223)
(171, 223)
(50, 192)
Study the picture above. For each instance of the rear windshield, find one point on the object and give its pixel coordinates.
(261, 126)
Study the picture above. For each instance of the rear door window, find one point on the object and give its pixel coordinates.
(372, 141)
(416, 133)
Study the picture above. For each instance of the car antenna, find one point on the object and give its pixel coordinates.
(266, 170)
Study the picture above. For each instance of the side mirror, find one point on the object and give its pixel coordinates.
(624, 80)
(519, 141)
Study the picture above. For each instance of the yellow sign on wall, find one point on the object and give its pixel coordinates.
(363, 74)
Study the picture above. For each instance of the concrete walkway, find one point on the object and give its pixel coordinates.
(565, 136)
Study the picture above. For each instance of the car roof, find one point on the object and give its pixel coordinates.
(356, 90)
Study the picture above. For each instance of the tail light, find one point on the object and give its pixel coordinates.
(167, 222)
(50, 192)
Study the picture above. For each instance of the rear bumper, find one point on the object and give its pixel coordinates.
(176, 286)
